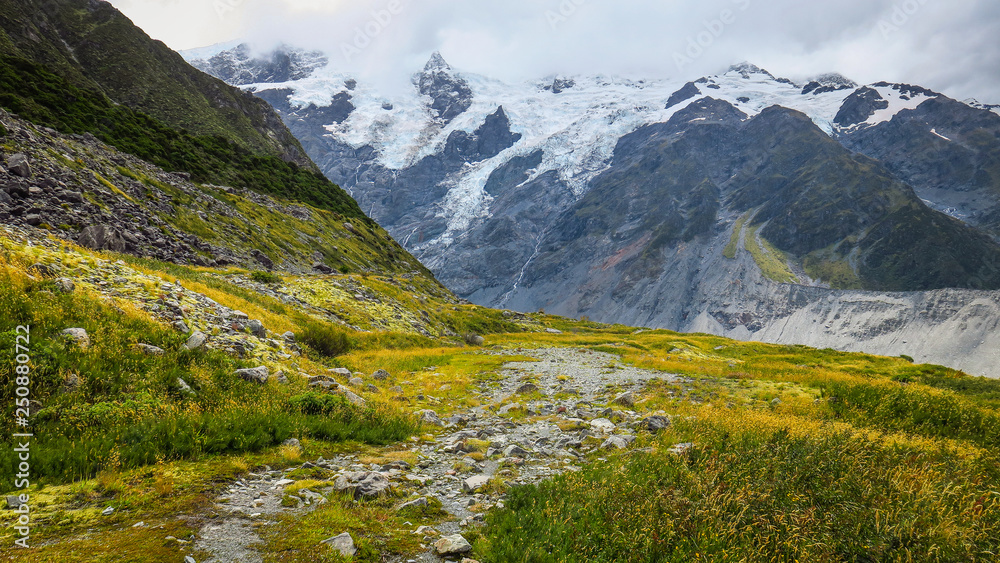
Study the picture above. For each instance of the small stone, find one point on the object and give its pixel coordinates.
(527, 388)
(355, 382)
(775, 402)
(292, 443)
(617, 442)
(553, 331)
(380, 375)
(452, 545)
(257, 374)
(514, 450)
(77, 336)
(189, 559)
(507, 408)
(419, 503)
(656, 423)
(343, 543)
(354, 398)
(184, 387)
(108, 511)
(18, 165)
(473, 484)
(602, 425)
(181, 327)
(149, 349)
(625, 400)
(196, 341)
(65, 285)
(341, 371)
(681, 449)
(430, 417)
(13, 502)
(257, 329)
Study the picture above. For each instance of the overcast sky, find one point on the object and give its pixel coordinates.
(948, 45)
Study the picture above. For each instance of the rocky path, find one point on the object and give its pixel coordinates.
(543, 418)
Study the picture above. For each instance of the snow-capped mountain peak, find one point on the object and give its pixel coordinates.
(437, 64)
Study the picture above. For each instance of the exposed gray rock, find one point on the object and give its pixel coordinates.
(181, 326)
(625, 400)
(656, 423)
(354, 398)
(184, 387)
(341, 371)
(355, 382)
(149, 349)
(102, 237)
(343, 543)
(257, 374)
(363, 484)
(452, 545)
(65, 285)
(18, 165)
(474, 483)
(380, 375)
(14, 502)
(77, 336)
(197, 340)
(527, 388)
(257, 329)
(430, 417)
(419, 503)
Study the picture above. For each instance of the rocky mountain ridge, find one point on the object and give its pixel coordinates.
(500, 228)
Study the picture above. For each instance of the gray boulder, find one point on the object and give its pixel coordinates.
(102, 237)
(65, 285)
(363, 484)
(343, 543)
(257, 374)
(452, 545)
(197, 340)
(257, 329)
(475, 483)
(430, 417)
(149, 349)
(77, 336)
(656, 423)
(380, 375)
(18, 165)
(625, 400)
(419, 503)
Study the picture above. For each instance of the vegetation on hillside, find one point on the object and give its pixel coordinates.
(34, 93)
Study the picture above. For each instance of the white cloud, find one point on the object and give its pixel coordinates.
(949, 45)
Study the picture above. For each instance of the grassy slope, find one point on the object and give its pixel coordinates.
(44, 98)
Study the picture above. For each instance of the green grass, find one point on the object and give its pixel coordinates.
(752, 494)
(44, 98)
(128, 410)
(771, 261)
(734, 240)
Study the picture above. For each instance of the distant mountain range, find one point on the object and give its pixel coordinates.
(658, 202)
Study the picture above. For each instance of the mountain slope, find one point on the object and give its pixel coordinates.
(673, 204)
(95, 47)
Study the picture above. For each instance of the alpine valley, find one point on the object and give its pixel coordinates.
(826, 213)
(211, 351)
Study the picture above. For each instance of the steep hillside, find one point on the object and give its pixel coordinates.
(95, 47)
